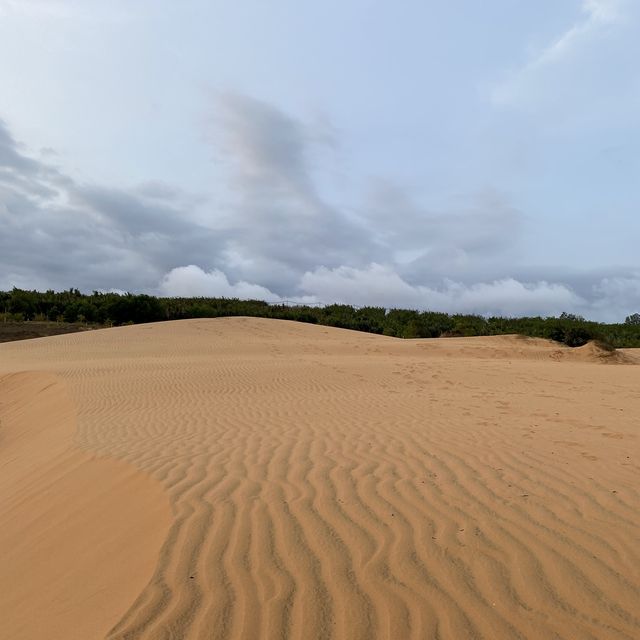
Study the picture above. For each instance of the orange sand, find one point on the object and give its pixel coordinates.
(247, 478)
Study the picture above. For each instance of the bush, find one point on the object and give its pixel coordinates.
(577, 336)
(112, 308)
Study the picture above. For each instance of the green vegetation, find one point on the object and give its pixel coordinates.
(71, 310)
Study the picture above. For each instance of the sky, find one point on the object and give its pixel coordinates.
(468, 157)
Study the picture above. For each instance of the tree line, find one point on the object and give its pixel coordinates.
(113, 309)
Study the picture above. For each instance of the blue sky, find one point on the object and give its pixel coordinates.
(460, 156)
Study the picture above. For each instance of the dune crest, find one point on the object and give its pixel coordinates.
(331, 484)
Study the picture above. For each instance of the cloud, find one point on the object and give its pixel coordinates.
(599, 14)
(430, 244)
(192, 281)
(603, 10)
(381, 285)
(55, 232)
(279, 224)
(267, 147)
(277, 219)
(616, 297)
(273, 227)
(15, 163)
(277, 236)
(565, 72)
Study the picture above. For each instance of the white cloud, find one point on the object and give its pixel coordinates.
(381, 285)
(374, 285)
(609, 299)
(599, 14)
(560, 66)
(603, 10)
(192, 281)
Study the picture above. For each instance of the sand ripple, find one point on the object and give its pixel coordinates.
(330, 484)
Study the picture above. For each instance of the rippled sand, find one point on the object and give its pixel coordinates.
(249, 478)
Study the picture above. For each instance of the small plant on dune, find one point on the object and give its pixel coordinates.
(604, 345)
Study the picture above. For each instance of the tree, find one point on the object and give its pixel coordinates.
(634, 318)
(571, 316)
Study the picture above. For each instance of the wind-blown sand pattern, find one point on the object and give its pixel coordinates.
(249, 478)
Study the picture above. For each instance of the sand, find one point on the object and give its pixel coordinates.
(249, 478)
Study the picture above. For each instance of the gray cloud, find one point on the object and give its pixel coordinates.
(192, 281)
(278, 222)
(277, 236)
(478, 225)
(280, 226)
(466, 239)
(57, 233)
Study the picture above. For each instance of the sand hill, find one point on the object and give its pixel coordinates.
(247, 478)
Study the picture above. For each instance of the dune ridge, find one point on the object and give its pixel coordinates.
(331, 484)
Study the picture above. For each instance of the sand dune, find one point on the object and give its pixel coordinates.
(248, 478)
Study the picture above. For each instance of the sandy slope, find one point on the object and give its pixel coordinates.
(245, 478)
